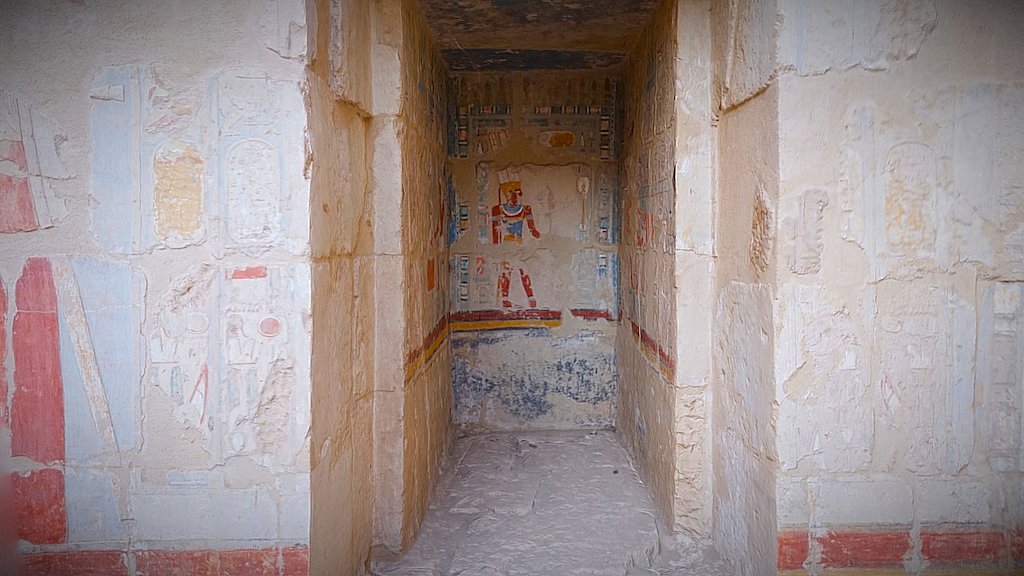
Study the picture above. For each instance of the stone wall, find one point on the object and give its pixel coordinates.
(344, 263)
(156, 285)
(743, 436)
(423, 132)
(897, 368)
(534, 269)
(646, 340)
(695, 152)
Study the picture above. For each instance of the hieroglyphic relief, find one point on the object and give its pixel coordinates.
(507, 282)
(821, 347)
(892, 197)
(909, 177)
(805, 235)
(180, 343)
(596, 275)
(250, 137)
(253, 192)
(155, 165)
(149, 176)
(482, 129)
(584, 129)
(1000, 369)
(225, 347)
(259, 374)
(926, 339)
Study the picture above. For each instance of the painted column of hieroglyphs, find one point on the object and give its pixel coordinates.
(646, 352)
(534, 227)
(898, 315)
(155, 284)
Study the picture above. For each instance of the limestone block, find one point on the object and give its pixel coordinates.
(791, 502)
(953, 500)
(204, 513)
(743, 445)
(349, 51)
(822, 374)
(866, 501)
(745, 63)
(835, 36)
(387, 170)
(694, 302)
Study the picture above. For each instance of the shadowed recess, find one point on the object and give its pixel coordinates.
(491, 59)
(536, 34)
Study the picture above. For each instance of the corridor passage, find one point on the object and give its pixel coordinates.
(539, 503)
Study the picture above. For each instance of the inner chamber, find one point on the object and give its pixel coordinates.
(557, 230)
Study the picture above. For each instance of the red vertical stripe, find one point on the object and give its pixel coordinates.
(39, 502)
(17, 207)
(5, 418)
(37, 409)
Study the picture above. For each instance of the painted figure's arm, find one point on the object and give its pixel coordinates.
(495, 224)
(529, 221)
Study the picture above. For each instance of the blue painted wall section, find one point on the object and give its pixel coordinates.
(527, 378)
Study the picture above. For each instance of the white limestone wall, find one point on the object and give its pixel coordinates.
(742, 434)
(167, 204)
(898, 297)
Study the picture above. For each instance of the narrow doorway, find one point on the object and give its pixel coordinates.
(559, 202)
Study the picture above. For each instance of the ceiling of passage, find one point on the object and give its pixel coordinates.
(536, 34)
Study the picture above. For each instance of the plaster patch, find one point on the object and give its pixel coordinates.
(178, 196)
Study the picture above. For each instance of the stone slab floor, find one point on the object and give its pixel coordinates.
(537, 503)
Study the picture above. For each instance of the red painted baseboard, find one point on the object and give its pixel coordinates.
(292, 561)
(864, 549)
(889, 549)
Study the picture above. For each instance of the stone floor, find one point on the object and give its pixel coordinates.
(566, 503)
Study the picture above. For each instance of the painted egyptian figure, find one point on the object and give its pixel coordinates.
(508, 216)
(505, 285)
